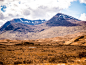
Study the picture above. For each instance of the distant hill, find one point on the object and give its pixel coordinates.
(72, 39)
(58, 25)
(23, 21)
(63, 20)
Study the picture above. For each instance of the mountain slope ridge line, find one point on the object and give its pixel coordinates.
(58, 25)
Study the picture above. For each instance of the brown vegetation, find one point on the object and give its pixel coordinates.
(59, 50)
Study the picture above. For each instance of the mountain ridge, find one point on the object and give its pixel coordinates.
(23, 21)
(62, 20)
(58, 25)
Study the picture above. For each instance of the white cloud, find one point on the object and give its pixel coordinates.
(83, 17)
(1, 16)
(64, 3)
(33, 9)
(82, 1)
(1, 23)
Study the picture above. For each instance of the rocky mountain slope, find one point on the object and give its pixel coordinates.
(71, 39)
(59, 25)
(21, 21)
(62, 20)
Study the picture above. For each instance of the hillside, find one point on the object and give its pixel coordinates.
(62, 50)
(58, 25)
(22, 21)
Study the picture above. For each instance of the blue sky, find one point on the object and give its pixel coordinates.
(41, 9)
(75, 9)
(3, 7)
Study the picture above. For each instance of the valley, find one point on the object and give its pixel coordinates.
(48, 51)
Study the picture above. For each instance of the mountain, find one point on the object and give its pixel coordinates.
(63, 20)
(26, 21)
(58, 25)
(23, 21)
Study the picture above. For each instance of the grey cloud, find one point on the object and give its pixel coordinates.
(1, 16)
(1, 0)
(11, 15)
(43, 7)
(26, 12)
(54, 9)
(38, 13)
(43, 12)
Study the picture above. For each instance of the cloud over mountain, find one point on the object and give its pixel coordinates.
(83, 17)
(32, 9)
